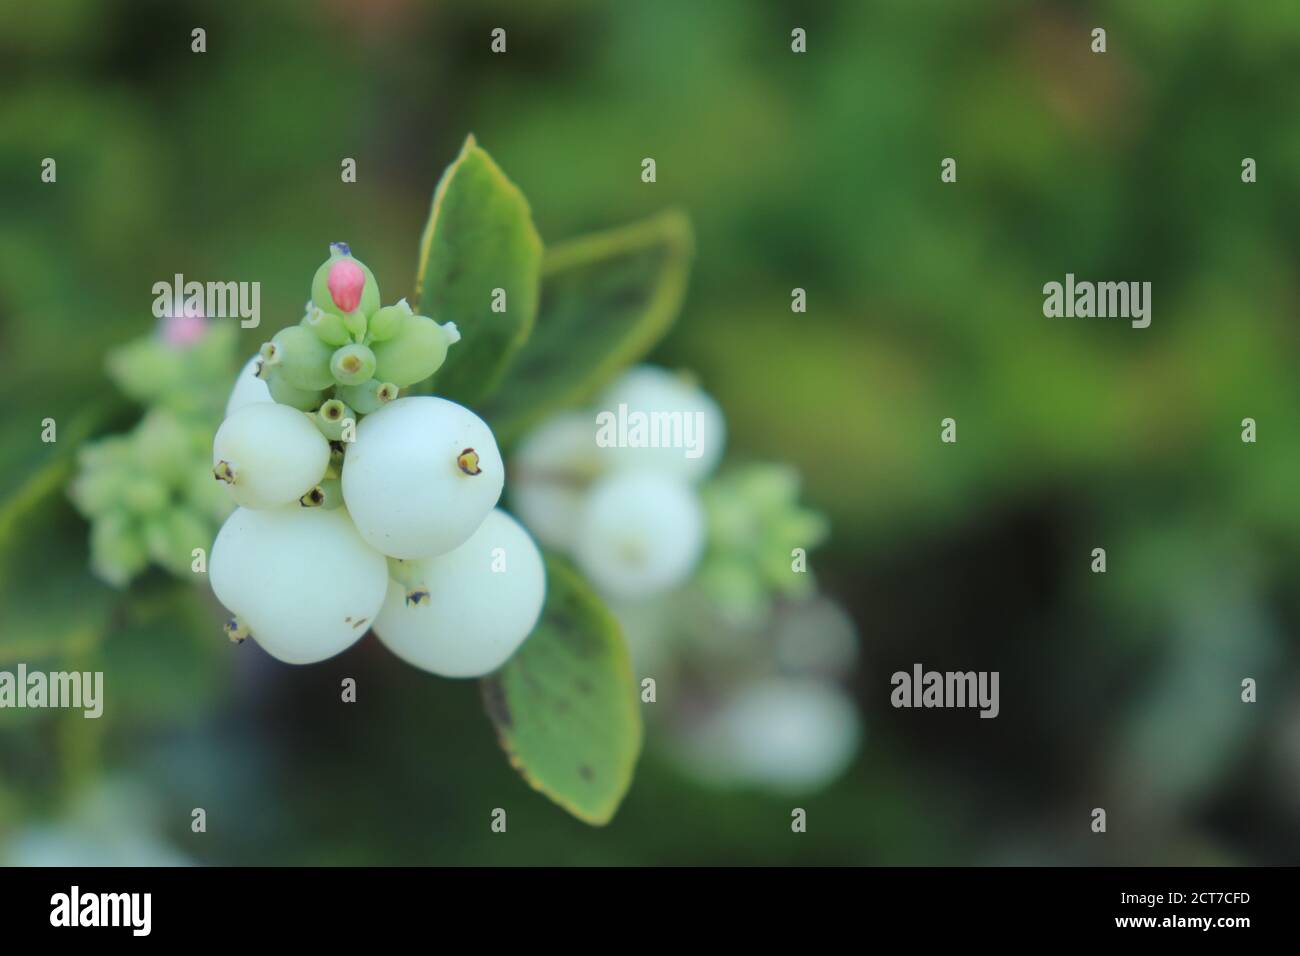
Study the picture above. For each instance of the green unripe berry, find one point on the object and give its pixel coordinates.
(330, 418)
(387, 322)
(287, 394)
(302, 359)
(328, 326)
(349, 288)
(352, 364)
(417, 350)
(369, 396)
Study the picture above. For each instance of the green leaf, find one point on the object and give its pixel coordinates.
(607, 299)
(479, 237)
(566, 706)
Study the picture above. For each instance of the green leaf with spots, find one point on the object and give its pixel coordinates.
(479, 238)
(607, 299)
(566, 705)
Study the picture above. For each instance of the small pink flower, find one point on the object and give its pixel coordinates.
(182, 331)
(345, 281)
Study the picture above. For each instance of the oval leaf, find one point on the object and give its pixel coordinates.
(607, 299)
(479, 238)
(566, 706)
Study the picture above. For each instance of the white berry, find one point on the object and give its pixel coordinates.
(549, 474)
(788, 735)
(269, 455)
(421, 476)
(691, 446)
(249, 389)
(482, 600)
(300, 579)
(640, 534)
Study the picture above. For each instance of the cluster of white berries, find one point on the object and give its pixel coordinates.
(383, 519)
(620, 495)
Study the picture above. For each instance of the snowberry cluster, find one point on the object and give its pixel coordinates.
(630, 514)
(146, 492)
(360, 508)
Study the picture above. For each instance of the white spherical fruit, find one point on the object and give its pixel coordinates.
(483, 600)
(269, 455)
(790, 735)
(549, 475)
(421, 476)
(651, 419)
(786, 735)
(640, 534)
(249, 389)
(300, 579)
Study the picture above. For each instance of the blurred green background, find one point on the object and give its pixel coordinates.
(819, 171)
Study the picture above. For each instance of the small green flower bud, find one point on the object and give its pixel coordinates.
(95, 492)
(352, 364)
(286, 394)
(302, 359)
(268, 359)
(330, 418)
(171, 538)
(117, 549)
(369, 396)
(409, 576)
(343, 284)
(145, 496)
(417, 350)
(328, 326)
(355, 323)
(386, 322)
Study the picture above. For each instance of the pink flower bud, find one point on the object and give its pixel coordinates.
(182, 331)
(345, 281)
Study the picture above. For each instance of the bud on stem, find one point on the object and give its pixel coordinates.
(352, 364)
(407, 575)
(369, 396)
(330, 418)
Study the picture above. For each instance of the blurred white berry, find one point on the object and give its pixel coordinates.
(480, 602)
(640, 534)
(269, 455)
(651, 391)
(301, 580)
(789, 735)
(549, 476)
(421, 476)
(249, 389)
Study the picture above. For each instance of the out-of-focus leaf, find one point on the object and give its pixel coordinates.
(479, 237)
(165, 658)
(607, 299)
(566, 706)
